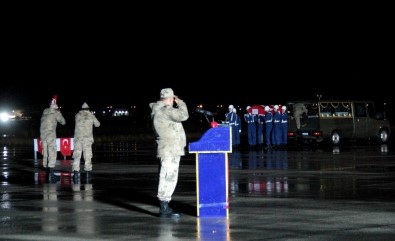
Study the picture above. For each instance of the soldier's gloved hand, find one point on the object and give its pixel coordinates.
(239, 131)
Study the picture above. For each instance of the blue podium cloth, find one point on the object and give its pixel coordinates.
(213, 140)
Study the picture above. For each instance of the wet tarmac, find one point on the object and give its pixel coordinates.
(328, 193)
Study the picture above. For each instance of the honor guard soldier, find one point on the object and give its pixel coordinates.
(250, 119)
(276, 131)
(284, 126)
(269, 125)
(231, 120)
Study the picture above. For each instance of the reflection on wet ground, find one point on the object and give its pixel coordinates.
(329, 173)
(270, 193)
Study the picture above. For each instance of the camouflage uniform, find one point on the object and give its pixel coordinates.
(83, 137)
(171, 141)
(48, 123)
(298, 110)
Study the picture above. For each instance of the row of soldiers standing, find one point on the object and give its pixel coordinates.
(83, 139)
(268, 129)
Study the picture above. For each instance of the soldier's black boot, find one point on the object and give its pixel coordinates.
(76, 177)
(51, 175)
(166, 212)
(88, 176)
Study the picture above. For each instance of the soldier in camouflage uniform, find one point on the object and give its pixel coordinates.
(171, 143)
(83, 140)
(49, 120)
(299, 110)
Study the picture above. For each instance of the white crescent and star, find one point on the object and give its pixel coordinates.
(65, 141)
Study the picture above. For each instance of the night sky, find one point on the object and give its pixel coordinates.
(206, 64)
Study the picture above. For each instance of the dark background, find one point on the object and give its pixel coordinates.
(211, 60)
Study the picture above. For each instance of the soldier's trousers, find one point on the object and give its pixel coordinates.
(82, 148)
(168, 177)
(49, 153)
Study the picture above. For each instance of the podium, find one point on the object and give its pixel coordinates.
(212, 171)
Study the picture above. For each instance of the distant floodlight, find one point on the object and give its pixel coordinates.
(4, 117)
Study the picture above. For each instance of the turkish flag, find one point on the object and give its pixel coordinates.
(256, 110)
(65, 146)
(39, 146)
